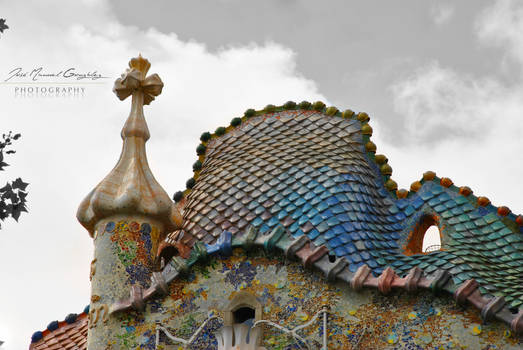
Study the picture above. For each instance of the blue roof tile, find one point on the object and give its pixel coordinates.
(417, 203)
(409, 210)
(426, 196)
(402, 203)
(313, 234)
(436, 189)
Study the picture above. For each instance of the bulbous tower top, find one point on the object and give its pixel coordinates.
(130, 188)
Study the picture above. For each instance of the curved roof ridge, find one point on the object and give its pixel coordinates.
(318, 106)
(465, 191)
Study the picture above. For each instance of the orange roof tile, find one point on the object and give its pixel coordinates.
(67, 336)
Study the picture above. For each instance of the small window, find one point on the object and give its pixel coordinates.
(425, 236)
(431, 240)
(242, 312)
(242, 308)
(244, 315)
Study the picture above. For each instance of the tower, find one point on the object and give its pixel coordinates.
(128, 213)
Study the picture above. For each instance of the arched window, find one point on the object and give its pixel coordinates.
(425, 237)
(243, 307)
(431, 239)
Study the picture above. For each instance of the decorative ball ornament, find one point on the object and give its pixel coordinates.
(465, 191)
(429, 175)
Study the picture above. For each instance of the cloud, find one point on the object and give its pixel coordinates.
(68, 144)
(501, 25)
(441, 13)
(438, 103)
(465, 124)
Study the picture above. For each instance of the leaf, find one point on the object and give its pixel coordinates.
(6, 188)
(15, 213)
(2, 165)
(3, 26)
(13, 197)
(17, 136)
(18, 183)
(22, 196)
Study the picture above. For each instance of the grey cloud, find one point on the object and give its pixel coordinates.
(438, 103)
(353, 50)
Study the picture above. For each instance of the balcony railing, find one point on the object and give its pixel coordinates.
(243, 337)
(433, 248)
(185, 342)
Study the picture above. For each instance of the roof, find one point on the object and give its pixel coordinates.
(273, 168)
(315, 172)
(70, 334)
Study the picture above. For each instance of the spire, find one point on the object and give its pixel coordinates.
(130, 188)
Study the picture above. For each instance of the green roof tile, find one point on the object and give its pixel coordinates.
(490, 218)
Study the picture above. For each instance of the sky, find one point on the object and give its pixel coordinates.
(441, 80)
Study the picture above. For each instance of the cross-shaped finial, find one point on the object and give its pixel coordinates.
(130, 189)
(134, 79)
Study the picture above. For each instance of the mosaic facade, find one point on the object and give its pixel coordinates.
(124, 256)
(290, 295)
